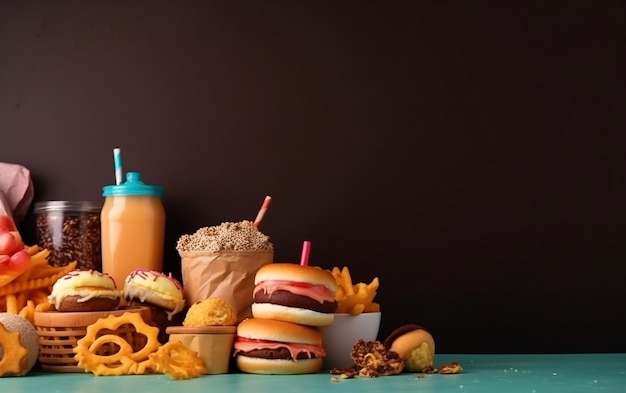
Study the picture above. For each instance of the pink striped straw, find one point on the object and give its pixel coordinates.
(261, 213)
(306, 250)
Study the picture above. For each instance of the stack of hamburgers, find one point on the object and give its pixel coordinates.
(291, 303)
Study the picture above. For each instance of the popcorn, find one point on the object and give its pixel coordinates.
(228, 236)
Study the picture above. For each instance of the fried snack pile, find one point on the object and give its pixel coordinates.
(29, 290)
(354, 298)
(173, 359)
(371, 359)
(211, 312)
(12, 350)
(177, 361)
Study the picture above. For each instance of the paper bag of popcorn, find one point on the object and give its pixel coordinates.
(221, 261)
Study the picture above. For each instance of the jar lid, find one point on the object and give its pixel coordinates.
(76, 206)
(132, 186)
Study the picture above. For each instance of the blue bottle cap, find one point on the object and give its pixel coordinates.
(132, 186)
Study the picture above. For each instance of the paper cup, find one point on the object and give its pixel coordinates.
(214, 344)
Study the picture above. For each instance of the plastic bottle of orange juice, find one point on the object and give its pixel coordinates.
(132, 228)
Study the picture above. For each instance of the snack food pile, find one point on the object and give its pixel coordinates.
(148, 325)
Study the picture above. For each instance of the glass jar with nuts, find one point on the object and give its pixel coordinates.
(71, 231)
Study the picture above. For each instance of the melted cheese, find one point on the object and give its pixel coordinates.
(319, 293)
(157, 282)
(294, 349)
(177, 304)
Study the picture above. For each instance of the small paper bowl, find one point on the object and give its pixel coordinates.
(214, 344)
(346, 329)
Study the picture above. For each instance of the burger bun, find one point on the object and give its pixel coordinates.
(252, 365)
(292, 314)
(296, 273)
(278, 331)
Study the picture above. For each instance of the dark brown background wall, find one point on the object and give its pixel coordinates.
(466, 153)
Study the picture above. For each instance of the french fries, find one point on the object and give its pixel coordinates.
(354, 298)
(29, 291)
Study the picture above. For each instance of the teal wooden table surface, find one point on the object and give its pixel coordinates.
(482, 373)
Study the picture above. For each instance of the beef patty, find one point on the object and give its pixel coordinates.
(278, 353)
(286, 298)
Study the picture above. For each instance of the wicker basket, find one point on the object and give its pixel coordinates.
(60, 331)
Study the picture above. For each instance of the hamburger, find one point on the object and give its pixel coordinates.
(294, 293)
(266, 346)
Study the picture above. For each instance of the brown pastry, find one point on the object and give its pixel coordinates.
(414, 344)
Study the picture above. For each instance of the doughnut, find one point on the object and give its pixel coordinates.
(85, 290)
